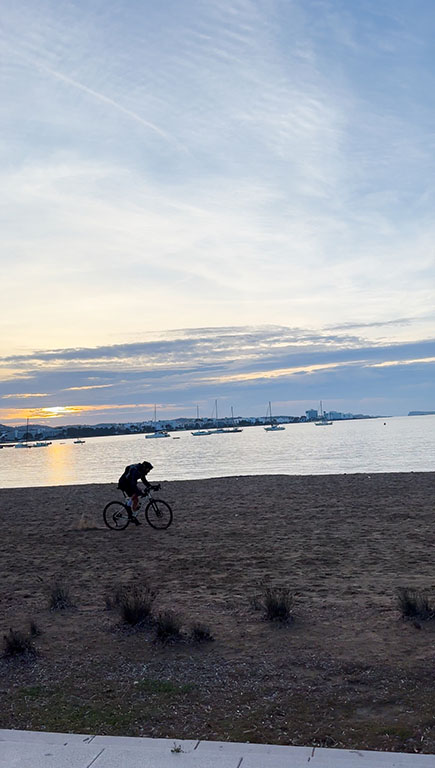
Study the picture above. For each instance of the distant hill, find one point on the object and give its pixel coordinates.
(421, 413)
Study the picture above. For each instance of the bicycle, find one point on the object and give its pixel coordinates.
(158, 513)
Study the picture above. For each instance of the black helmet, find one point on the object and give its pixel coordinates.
(147, 466)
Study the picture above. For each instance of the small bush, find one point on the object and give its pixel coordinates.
(201, 633)
(17, 644)
(276, 604)
(414, 605)
(60, 597)
(134, 604)
(168, 627)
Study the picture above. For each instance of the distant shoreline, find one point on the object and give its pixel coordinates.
(39, 431)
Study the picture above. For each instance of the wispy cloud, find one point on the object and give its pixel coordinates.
(107, 100)
(85, 387)
(24, 395)
(224, 165)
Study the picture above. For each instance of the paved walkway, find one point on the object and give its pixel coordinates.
(31, 749)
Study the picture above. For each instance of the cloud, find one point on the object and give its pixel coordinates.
(246, 170)
(85, 387)
(24, 395)
(65, 412)
(244, 364)
(287, 206)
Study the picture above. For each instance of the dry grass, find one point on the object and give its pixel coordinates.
(415, 604)
(59, 596)
(18, 644)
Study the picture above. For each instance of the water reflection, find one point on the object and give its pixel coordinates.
(60, 469)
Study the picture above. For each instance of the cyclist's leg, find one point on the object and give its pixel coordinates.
(133, 505)
(132, 500)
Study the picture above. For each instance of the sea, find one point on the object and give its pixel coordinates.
(400, 444)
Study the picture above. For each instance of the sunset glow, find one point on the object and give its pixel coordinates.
(142, 411)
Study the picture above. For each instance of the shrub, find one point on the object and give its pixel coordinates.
(134, 604)
(17, 644)
(414, 604)
(60, 597)
(201, 633)
(168, 627)
(276, 604)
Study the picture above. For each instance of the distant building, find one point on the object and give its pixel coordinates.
(312, 414)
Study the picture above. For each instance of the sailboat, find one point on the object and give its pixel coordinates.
(157, 432)
(234, 427)
(273, 427)
(200, 432)
(24, 444)
(323, 420)
(218, 430)
(225, 430)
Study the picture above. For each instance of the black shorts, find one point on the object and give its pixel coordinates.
(129, 489)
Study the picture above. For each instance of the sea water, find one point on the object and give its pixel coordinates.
(403, 444)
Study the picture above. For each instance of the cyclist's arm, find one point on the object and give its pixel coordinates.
(149, 487)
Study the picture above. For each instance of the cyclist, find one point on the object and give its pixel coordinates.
(128, 484)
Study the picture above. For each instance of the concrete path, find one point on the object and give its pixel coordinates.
(32, 749)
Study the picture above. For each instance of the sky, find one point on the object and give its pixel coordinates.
(216, 199)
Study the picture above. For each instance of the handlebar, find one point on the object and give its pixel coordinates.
(149, 490)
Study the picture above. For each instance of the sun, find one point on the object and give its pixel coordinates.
(41, 414)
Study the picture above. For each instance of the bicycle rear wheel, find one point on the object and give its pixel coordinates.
(116, 515)
(158, 514)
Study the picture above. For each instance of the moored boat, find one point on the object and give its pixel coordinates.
(159, 433)
(323, 420)
(273, 426)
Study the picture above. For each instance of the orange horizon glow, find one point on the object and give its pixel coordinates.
(19, 415)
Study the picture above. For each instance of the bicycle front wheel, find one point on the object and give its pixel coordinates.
(116, 516)
(158, 514)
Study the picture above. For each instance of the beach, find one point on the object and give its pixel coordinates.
(347, 671)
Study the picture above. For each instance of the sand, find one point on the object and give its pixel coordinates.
(347, 671)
